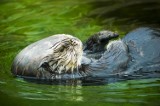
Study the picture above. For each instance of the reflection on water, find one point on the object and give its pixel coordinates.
(141, 92)
(126, 12)
(25, 21)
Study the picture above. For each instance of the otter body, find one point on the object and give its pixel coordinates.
(135, 55)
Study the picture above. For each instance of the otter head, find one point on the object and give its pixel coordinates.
(66, 56)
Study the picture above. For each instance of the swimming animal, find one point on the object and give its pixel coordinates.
(64, 57)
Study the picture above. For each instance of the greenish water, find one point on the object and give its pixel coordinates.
(25, 21)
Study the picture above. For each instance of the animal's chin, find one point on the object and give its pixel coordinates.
(64, 66)
(70, 66)
(67, 62)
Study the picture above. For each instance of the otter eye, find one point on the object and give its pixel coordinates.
(61, 49)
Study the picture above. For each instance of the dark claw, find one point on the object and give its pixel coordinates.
(116, 34)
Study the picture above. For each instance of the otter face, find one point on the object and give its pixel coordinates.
(66, 56)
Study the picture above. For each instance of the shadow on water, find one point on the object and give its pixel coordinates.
(126, 13)
(25, 21)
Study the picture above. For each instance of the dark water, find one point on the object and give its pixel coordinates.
(25, 21)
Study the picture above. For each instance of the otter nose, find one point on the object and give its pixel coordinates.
(74, 42)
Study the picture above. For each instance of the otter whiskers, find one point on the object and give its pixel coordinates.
(66, 56)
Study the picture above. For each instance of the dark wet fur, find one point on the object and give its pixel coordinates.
(136, 62)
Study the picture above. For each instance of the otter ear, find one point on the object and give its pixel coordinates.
(61, 49)
(44, 65)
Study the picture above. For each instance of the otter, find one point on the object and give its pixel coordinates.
(51, 56)
(62, 57)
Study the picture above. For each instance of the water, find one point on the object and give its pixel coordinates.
(25, 21)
